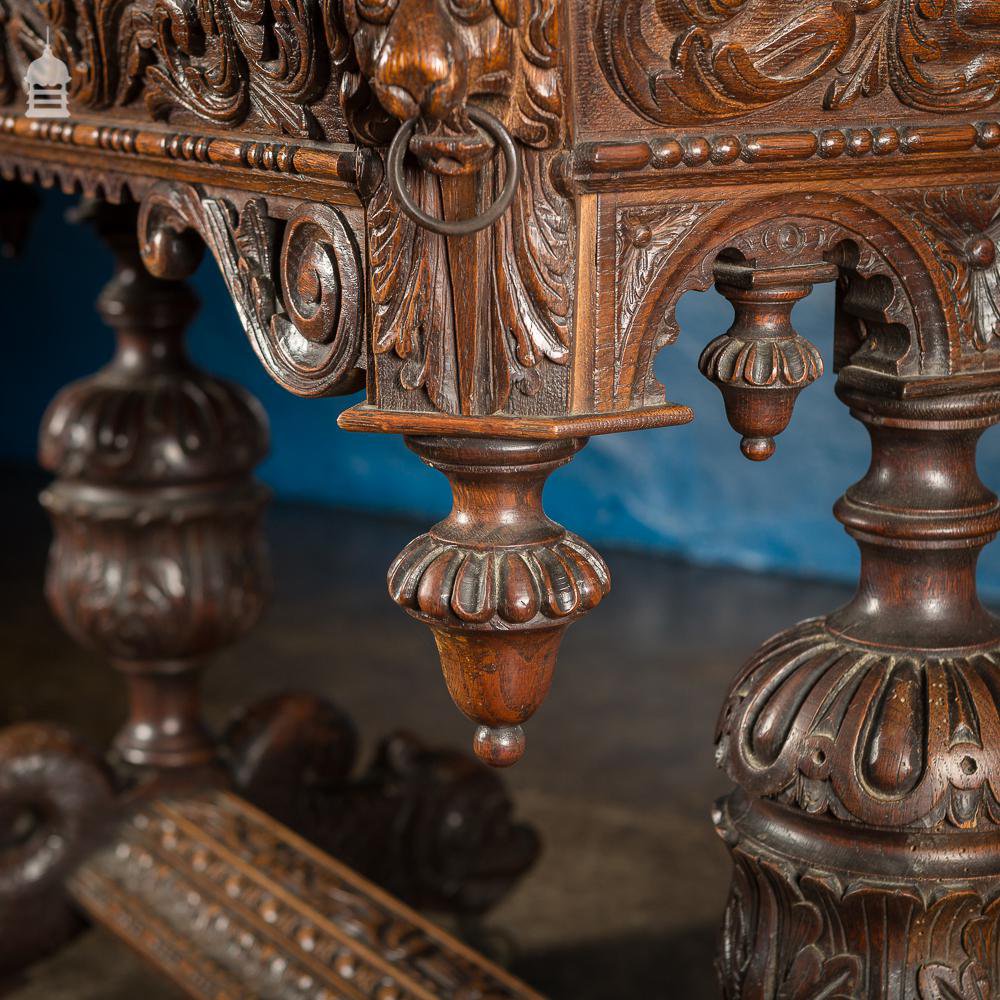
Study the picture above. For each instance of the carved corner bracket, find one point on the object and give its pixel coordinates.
(296, 285)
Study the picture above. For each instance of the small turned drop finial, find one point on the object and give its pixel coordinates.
(499, 746)
(757, 449)
(760, 364)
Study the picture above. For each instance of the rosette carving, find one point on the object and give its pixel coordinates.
(299, 297)
(497, 582)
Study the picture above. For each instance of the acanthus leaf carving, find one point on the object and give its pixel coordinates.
(298, 298)
(526, 257)
(710, 61)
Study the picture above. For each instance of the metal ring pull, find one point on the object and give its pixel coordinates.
(456, 227)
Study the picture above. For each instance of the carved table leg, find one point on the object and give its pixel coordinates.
(497, 581)
(867, 744)
(158, 556)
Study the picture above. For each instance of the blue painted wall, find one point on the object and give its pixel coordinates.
(686, 491)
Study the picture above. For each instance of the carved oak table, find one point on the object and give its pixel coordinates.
(484, 212)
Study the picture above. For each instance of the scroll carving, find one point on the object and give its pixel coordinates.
(527, 259)
(298, 296)
(710, 60)
(268, 63)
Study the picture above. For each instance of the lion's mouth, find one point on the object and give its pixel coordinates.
(446, 149)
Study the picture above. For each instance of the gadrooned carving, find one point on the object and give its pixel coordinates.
(298, 296)
(870, 735)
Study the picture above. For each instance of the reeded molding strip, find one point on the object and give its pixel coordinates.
(667, 152)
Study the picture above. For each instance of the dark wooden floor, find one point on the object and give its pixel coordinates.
(618, 776)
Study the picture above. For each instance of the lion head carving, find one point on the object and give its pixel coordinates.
(430, 58)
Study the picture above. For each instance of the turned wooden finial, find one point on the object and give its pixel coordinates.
(497, 582)
(760, 364)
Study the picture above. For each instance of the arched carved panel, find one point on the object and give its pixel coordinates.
(919, 268)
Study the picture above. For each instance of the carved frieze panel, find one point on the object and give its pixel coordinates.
(292, 69)
(715, 60)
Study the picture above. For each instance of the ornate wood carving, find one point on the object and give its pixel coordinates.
(429, 59)
(628, 163)
(430, 825)
(267, 64)
(760, 364)
(158, 557)
(458, 357)
(866, 744)
(228, 902)
(497, 582)
(298, 296)
(664, 250)
(798, 924)
(712, 60)
(962, 226)
(55, 799)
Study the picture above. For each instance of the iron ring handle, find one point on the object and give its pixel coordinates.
(456, 227)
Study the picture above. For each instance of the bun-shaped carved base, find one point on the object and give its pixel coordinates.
(55, 799)
(497, 582)
(760, 364)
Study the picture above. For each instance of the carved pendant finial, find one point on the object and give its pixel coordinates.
(760, 364)
(497, 582)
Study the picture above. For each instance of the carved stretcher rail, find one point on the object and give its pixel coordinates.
(231, 905)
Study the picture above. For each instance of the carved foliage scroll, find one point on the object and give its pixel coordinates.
(709, 60)
(267, 62)
(527, 259)
(838, 939)
(298, 296)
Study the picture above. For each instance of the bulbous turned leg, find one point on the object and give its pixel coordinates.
(760, 364)
(55, 798)
(158, 556)
(497, 582)
(866, 745)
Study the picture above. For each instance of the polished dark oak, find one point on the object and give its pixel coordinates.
(641, 150)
